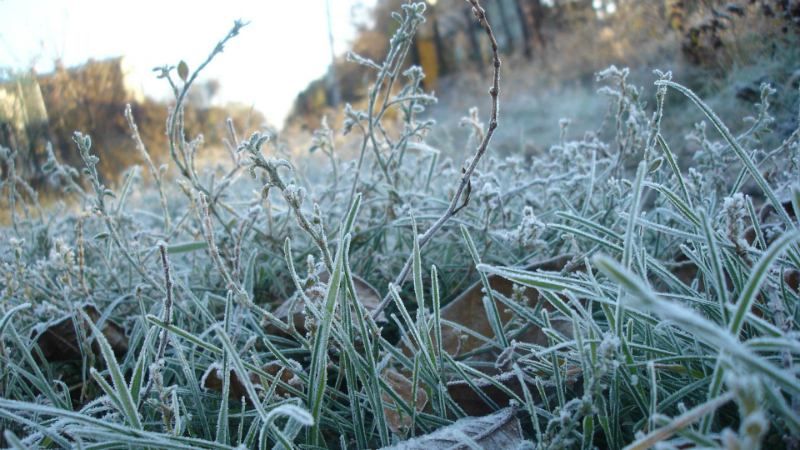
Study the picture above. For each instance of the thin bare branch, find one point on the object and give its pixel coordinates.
(464, 187)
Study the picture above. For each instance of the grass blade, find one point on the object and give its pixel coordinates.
(127, 404)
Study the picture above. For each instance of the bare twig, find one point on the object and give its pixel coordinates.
(175, 120)
(213, 250)
(291, 194)
(137, 138)
(461, 197)
(679, 423)
(175, 124)
(387, 75)
(162, 346)
(166, 316)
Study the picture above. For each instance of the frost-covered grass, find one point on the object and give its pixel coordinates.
(672, 322)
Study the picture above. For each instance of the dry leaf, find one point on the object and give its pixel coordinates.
(399, 422)
(183, 70)
(467, 310)
(500, 431)
(473, 403)
(792, 279)
(768, 210)
(368, 296)
(212, 380)
(293, 310)
(59, 340)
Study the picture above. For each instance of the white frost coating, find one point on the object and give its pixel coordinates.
(501, 431)
(215, 368)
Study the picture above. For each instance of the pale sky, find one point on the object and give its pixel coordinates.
(277, 55)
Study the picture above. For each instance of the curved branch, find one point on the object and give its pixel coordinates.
(461, 197)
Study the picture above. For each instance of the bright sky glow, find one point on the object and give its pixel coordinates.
(284, 47)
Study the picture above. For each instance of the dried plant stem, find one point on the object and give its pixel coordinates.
(137, 139)
(316, 234)
(175, 123)
(175, 120)
(162, 346)
(679, 423)
(134, 262)
(463, 189)
(81, 255)
(213, 250)
(167, 315)
(384, 82)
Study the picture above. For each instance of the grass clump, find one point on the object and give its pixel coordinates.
(663, 300)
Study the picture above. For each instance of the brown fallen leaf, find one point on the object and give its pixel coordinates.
(767, 210)
(467, 311)
(792, 279)
(212, 380)
(292, 311)
(473, 403)
(368, 296)
(500, 431)
(399, 421)
(58, 341)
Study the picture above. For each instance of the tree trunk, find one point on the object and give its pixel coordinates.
(525, 26)
(475, 45)
(501, 11)
(537, 14)
(440, 47)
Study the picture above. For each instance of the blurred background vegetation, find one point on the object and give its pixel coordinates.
(552, 50)
(37, 109)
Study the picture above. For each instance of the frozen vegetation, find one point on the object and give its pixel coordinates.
(624, 297)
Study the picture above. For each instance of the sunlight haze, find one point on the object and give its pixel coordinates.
(284, 47)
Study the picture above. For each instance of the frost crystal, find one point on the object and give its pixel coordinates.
(529, 229)
(733, 212)
(490, 195)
